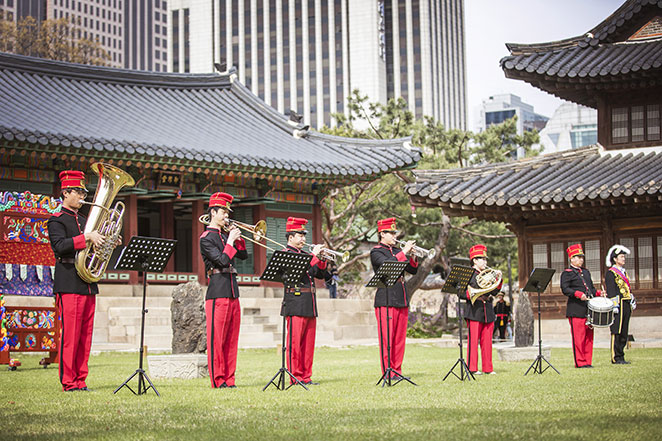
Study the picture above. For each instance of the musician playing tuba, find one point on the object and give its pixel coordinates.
(75, 298)
(479, 312)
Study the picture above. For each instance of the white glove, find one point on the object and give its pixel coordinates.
(616, 311)
(633, 303)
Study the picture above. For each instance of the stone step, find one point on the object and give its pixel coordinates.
(350, 332)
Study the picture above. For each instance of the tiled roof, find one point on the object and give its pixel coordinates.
(199, 119)
(566, 180)
(571, 68)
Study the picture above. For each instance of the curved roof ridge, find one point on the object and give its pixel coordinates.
(42, 66)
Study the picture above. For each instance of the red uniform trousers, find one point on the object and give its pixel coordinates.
(77, 314)
(301, 346)
(223, 320)
(480, 332)
(582, 341)
(397, 336)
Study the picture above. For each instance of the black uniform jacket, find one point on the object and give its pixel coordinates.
(300, 300)
(397, 294)
(617, 284)
(502, 308)
(65, 231)
(218, 257)
(482, 310)
(574, 283)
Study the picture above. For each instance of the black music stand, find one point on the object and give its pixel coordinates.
(146, 254)
(387, 275)
(456, 283)
(538, 281)
(287, 268)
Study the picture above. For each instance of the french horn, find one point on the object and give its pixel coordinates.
(488, 280)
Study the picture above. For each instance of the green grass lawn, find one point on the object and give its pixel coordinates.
(604, 403)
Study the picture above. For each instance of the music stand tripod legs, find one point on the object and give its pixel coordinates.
(538, 362)
(390, 375)
(143, 379)
(465, 373)
(283, 371)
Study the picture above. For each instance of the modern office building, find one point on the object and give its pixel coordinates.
(499, 108)
(308, 55)
(133, 32)
(572, 126)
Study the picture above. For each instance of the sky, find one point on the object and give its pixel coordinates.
(490, 24)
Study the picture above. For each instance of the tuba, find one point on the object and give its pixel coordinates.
(92, 261)
(488, 280)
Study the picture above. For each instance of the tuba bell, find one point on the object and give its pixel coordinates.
(488, 280)
(92, 261)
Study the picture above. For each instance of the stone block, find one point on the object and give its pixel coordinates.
(186, 366)
(511, 353)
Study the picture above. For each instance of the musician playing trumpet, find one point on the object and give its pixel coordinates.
(219, 245)
(392, 303)
(75, 298)
(300, 304)
(479, 315)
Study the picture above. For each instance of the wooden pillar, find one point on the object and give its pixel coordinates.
(317, 221)
(198, 266)
(260, 253)
(168, 229)
(522, 255)
(604, 122)
(607, 239)
(131, 228)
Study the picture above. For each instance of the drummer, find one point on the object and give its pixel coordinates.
(577, 285)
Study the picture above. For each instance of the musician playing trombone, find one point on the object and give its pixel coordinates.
(300, 304)
(392, 303)
(219, 245)
(480, 316)
(75, 298)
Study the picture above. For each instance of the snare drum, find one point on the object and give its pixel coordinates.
(600, 312)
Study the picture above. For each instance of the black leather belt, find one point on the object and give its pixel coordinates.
(230, 270)
(67, 260)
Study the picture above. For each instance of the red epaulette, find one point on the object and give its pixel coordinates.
(569, 269)
(204, 234)
(58, 214)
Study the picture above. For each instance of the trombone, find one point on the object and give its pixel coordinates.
(331, 255)
(419, 251)
(259, 230)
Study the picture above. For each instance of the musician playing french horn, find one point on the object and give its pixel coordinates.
(220, 243)
(479, 312)
(75, 297)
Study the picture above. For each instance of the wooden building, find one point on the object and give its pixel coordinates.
(597, 195)
(182, 137)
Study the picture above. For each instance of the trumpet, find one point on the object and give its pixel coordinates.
(419, 251)
(331, 255)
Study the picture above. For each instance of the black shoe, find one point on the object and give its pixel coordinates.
(621, 362)
(75, 389)
(222, 386)
(310, 383)
(231, 387)
(85, 389)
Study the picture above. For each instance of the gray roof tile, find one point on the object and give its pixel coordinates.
(196, 117)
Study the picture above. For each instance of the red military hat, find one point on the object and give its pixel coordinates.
(575, 250)
(296, 225)
(222, 200)
(387, 224)
(478, 250)
(72, 179)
